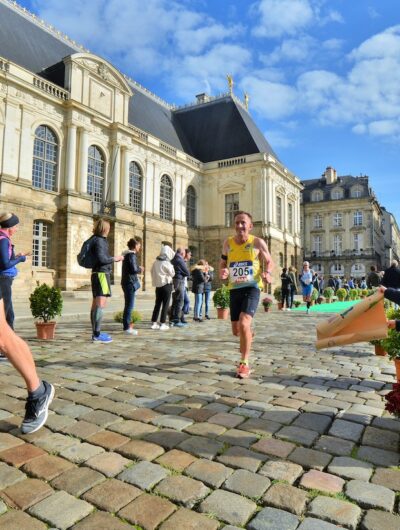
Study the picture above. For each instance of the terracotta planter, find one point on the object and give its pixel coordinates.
(45, 330)
(267, 308)
(222, 313)
(379, 350)
(280, 306)
(397, 366)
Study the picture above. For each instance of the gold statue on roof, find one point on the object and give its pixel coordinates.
(230, 82)
(246, 100)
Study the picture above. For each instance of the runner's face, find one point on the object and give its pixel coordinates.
(243, 225)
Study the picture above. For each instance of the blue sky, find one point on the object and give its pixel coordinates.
(323, 76)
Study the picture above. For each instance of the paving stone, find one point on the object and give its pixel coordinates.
(226, 420)
(281, 470)
(211, 473)
(378, 438)
(351, 468)
(388, 423)
(8, 440)
(379, 457)
(46, 467)
(26, 493)
(261, 426)
(77, 480)
(173, 422)
(334, 446)
(228, 507)
(370, 495)
(189, 520)
(347, 430)
(364, 409)
(248, 413)
(286, 497)
(19, 455)
(100, 417)
(144, 475)
(112, 495)
(209, 430)
(73, 510)
(132, 428)
(310, 459)
(101, 521)
(141, 450)
(3, 508)
(247, 483)
(56, 442)
(109, 464)
(16, 520)
(298, 435)
(317, 408)
(390, 478)
(167, 438)
(378, 520)
(237, 437)
(318, 480)
(182, 490)
(79, 453)
(198, 415)
(147, 511)
(279, 414)
(335, 511)
(201, 447)
(363, 419)
(316, 524)
(271, 518)
(9, 476)
(80, 429)
(314, 422)
(142, 414)
(273, 447)
(176, 460)
(239, 457)
(108, 440)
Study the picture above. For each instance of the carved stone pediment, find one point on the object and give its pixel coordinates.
(231, 187)
(102, 70)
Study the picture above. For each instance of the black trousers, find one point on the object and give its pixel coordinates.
(5, 287)
(163, 296)
(179, 298)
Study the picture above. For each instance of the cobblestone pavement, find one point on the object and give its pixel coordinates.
(154, 432)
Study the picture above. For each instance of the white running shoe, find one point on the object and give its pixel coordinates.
(164, 327)
(131, 331)
(155, 325)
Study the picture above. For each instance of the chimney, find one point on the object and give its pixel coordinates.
(330, 175)
(202, 98)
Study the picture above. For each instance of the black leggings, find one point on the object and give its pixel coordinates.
(163, 296)
(286, 298)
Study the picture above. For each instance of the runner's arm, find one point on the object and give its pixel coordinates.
(266, 259)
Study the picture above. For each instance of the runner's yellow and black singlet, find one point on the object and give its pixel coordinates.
(243, 264)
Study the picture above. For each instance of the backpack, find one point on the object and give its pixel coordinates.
(86, 258)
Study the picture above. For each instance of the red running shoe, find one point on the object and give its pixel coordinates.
(243, 371)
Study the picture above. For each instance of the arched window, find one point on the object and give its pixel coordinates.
(316, 196)
(135, 187)
(166, 198)
(45, 155)
(95, 180)
(191, 206)
(337, 194)
(356, 192)
(41, 244)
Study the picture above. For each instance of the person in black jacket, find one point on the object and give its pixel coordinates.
(207, 289)
(285, 285)
(181, 272)
(391, 277)
(130, 283)
(198, 281)
(100, 279)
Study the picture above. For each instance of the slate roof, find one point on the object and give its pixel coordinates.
(345, 183)
(212, 131)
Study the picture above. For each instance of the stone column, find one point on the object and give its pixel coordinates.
(70, 158)
(115, 173)
(125, 176)
(83, 165)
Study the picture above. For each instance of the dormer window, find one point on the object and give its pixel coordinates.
(317, 196)
(356, 192)
(336, 194)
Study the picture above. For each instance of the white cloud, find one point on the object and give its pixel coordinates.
(293, 50)
(272, 100)
(281, 17)
(278, 139)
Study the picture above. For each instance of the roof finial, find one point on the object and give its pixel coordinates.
(246, 100)
(230, 83)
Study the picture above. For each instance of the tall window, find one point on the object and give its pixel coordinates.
(317, 220)
(135, 187)
(357, 238)
(358, 218)
(191, 206)
(41, 244)
(337, 244)
(281, 262)
(290, 218)
(279, 212)
(166, 198)
(231, 208)
(337, 219)
(95, 181)
(317, 245)
(337, 194)
(317, 196)
(45, 154)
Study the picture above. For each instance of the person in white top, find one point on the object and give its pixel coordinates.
(162, 272)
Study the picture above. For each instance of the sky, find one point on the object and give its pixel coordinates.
(323, 76)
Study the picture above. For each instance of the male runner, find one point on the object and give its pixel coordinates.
(241, 263)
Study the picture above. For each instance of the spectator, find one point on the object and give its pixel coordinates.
(181, 274)
(293, 285)
(162, 273)
(130, 283)
(198, 282)
(373, 278)
(207, 289)
(285, 286)
(391, 277)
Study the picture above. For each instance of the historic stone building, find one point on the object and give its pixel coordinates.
(79, 139)
(343, 229)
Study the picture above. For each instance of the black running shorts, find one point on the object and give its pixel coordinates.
(244, 300)
(101, 284)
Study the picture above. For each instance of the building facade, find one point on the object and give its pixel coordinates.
(79, 140)
(342, 225)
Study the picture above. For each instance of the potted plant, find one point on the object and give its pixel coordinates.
(393, 401)
(341, 293)
(314, 295)
(278, 297)
(221, 299)
(392, 346)
(46, 303)
(329, 294)
(353, 294)
(267, 303)
(297, 303)
(364, 293)
(135, 317)
(379, 349)
(320, 299)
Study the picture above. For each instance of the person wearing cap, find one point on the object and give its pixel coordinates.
(40, 393)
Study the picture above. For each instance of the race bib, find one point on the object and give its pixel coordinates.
(241, 272)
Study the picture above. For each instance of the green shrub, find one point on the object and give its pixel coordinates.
(328, 293)
(46, 302)
(278, 294)
(136, 317)
(297, 303)
(392, 344)
(341, 294)
(364, 292)
(314, 294)
(353, 294)
(221, 297)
